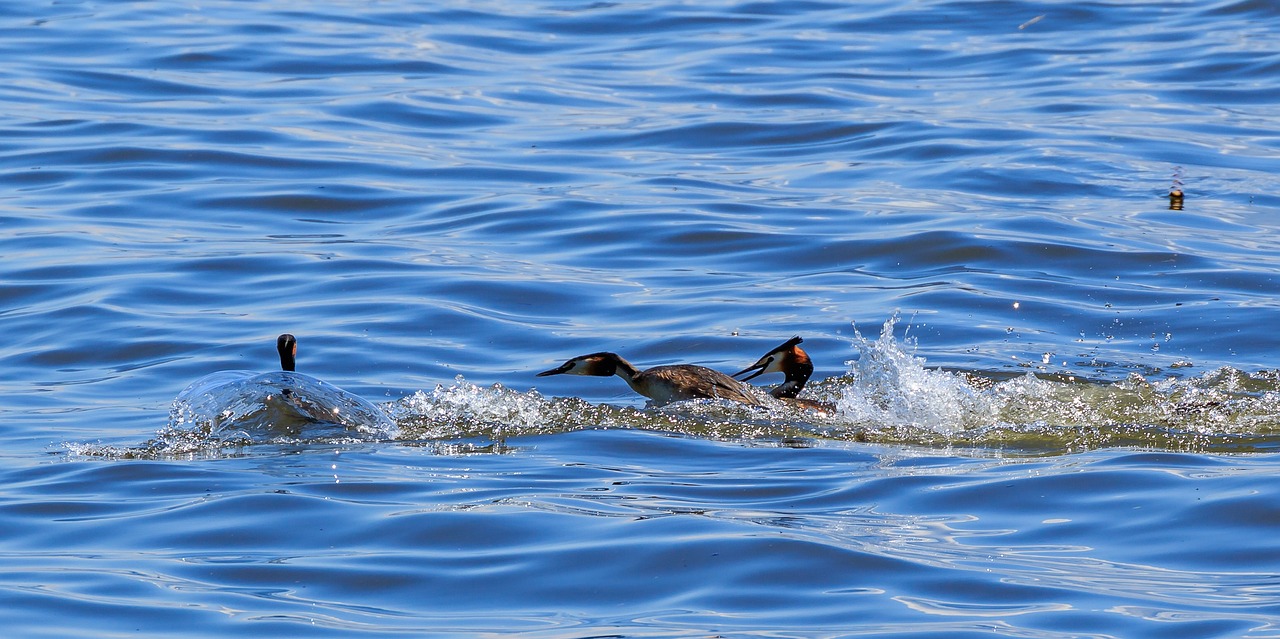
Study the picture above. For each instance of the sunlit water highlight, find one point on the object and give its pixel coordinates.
(1055, 384)
(888, 395)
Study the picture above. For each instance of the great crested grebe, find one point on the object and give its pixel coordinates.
(320, 401)
(283, 402)
(790, 360)
(662, 384)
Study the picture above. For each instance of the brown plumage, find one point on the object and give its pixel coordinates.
(662, 384)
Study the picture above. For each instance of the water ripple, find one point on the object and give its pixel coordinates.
(441, 200)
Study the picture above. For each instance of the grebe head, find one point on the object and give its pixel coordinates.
(287, 345)
(788, 359)
(595, 364)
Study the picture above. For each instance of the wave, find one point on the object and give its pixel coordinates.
(889, 395)
(229, 410)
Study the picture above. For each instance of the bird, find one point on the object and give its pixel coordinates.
(287, 347)
(790, 360)
(662, 384)
(279, 403)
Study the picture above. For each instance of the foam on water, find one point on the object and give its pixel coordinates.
(894, 395)
(276, 404)
(463, 410)
(233, 409)
(462, 192)
(889, 394)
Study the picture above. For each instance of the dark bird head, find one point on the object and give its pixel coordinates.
(788, 359)
(287, 346)
(595, 364)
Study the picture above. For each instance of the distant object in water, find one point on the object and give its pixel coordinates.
(790, 360)
(662, 384)
(1175, 190)
(246, 406)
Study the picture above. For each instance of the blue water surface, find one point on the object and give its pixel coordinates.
(1058, 405)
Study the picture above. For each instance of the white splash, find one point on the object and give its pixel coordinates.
(891, 387)
(236, 405)
(464, 409)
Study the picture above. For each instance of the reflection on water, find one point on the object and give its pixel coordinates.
(655, 533)
(446, 197)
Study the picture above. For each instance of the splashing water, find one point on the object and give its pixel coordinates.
(464, 410)
(888, 395)
(240, 404)
(890, 388)
(891, 394)
(233, 409)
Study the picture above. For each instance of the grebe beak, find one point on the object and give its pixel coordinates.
(766, 363)
(762, 365)
(563, 368)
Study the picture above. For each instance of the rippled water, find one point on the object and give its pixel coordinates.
(1057, 401)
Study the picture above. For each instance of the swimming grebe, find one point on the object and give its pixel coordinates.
(279, 403)
(790, 360)
(662, 384)
(320, 401)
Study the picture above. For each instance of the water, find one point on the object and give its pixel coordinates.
(1056, 387)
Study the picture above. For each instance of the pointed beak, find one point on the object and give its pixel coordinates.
(556, 371)
(761, 365)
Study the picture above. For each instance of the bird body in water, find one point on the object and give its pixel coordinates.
(282, 403)
(330, 407)
(790, 360)
(662, 384)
